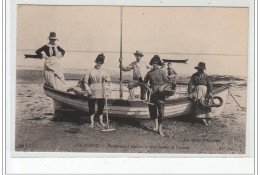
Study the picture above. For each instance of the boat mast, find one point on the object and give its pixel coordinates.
(121, 89)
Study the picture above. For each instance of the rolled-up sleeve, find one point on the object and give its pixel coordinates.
(190, 85)
(129, 67)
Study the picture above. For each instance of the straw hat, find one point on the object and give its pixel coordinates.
(138, 53)
(201, 65)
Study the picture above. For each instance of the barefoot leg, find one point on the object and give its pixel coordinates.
(101, 120)
(92, 120)
(156, 125)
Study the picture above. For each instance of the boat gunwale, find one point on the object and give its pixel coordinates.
(85, 99)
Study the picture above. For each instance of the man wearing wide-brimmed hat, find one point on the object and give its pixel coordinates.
(140, 69)
(200, 87)
(156, 78)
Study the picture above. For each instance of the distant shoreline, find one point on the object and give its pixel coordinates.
(82, 71)
(37, 77)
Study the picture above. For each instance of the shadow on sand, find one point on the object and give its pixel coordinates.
(135, 123)
(187, 119)
(81, 118)
(75, 117)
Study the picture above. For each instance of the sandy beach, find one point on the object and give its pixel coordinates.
(37, 132)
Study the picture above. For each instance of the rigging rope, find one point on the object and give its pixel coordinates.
(241, 107)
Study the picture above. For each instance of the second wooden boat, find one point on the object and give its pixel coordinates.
(175, 61)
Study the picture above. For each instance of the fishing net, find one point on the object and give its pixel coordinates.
(80, 89)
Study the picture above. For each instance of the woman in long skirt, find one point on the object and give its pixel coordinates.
(53, 73)
(200, 88)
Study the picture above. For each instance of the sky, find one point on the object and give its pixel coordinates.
(189, 30)
(217, 36)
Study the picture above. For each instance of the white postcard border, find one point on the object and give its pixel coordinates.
(112, 165)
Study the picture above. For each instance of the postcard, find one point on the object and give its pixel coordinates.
(132, 79)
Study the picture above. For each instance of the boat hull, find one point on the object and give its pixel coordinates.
(135, 109)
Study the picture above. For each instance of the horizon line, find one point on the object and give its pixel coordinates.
(173, 53)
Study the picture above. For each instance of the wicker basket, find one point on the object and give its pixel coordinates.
(207, 104)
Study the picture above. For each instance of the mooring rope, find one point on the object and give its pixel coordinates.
(241, 107)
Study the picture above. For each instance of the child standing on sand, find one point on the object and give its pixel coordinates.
(156, 78)
(93, 82)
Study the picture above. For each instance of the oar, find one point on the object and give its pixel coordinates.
(104, 94)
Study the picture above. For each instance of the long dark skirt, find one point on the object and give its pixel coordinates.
(200, 93)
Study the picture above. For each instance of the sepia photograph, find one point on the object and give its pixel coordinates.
(131, 79)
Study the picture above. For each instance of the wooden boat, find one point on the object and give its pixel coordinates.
(175, 61)
(177, 105)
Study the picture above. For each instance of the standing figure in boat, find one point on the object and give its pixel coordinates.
(93, 81)
(200, 88)
(53, 73)
(140, 69)
(164, 67)
(171, 76)
(156, 78)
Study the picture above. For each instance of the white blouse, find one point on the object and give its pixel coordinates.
(94, 79)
